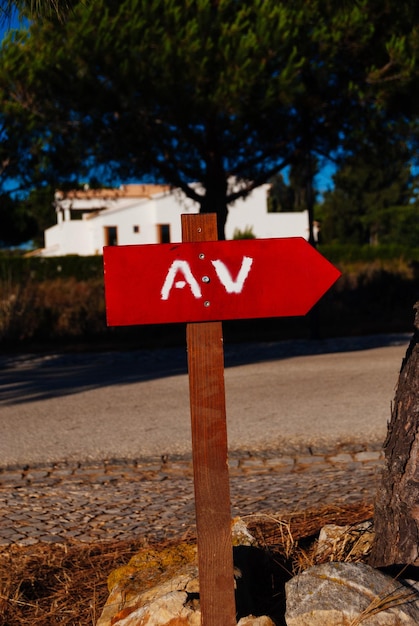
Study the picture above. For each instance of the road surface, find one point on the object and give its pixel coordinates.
(128, 405)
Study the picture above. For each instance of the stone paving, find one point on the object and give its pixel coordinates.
(153, 499)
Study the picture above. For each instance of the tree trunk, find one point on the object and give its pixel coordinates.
(214, 201)
(215, 180)
(397, 503)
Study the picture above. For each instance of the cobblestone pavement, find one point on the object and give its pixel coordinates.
(154, 499)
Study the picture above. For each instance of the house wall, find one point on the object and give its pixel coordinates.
(72, 237)
(251, 212)
(87, 236)
(146, 215)
(134, 214)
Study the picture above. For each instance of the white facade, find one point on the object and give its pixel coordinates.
(136, 214)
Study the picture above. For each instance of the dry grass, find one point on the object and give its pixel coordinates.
(57, 584)
(51, 309)
(295, 536)
(45, 585)
(381, 603)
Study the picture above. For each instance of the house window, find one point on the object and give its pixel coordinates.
(163, 233)
(136, 229)
(111, 235)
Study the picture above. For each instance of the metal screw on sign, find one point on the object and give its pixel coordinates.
(243, 279)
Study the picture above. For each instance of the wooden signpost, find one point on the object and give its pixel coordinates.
(203, 281)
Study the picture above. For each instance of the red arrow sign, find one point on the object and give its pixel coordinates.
(217, 280)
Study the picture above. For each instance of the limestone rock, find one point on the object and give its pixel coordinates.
(150, 574)
(345, 543)
(251, 620)
(170, 609)
(171, 603)
(241, 536)
(160, 587)
(347, 594)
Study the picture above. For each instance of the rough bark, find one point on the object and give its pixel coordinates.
(397, 502)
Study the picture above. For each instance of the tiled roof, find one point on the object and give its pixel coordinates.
(125, 191)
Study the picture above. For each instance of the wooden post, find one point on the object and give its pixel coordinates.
(209, 452)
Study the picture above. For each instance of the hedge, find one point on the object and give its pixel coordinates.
(20, 268)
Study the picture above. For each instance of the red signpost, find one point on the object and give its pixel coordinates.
(214, 280)
(202, 281)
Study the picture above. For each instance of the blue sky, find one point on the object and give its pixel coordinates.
(324, 179)
(7, 22)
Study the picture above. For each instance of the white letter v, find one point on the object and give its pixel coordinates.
(226, 278)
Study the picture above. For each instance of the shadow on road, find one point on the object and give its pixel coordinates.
(27, 378)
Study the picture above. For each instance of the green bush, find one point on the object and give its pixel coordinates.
(247, 233)
(20, 268)
(350, 253)
(44, 311)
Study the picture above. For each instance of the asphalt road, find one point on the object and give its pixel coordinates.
(114, 405)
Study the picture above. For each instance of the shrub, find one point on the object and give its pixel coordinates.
(350, 253)
(51, 309)
(20, 269)
(247, 233)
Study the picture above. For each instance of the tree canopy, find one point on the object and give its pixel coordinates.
(375, 199)
(221, 93)
(36, 8)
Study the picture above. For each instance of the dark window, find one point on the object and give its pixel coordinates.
(163, 233)
(111, 235)
(136, 229)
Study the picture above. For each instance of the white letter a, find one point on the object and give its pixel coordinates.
(180, 266)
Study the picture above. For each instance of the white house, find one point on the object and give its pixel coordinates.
(134, 214)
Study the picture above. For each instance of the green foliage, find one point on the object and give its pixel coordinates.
(247, 233)
(164, 88)
(223, 93)
(374, 199)
(286, 198)
(19, 269)
(17, 224)
(36, 8)
(38, 208)
(352, 253)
